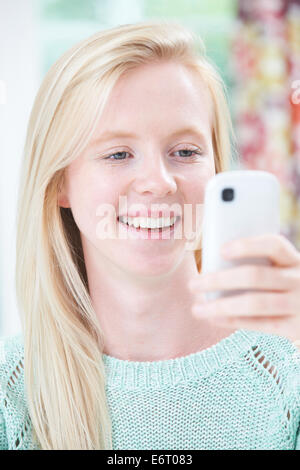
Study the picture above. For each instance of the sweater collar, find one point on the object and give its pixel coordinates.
(169, 372)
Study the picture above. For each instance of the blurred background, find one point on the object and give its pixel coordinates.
(254, 44)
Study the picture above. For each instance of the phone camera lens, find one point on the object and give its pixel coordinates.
(227, 194)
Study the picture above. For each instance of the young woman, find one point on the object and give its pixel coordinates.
(113, 353)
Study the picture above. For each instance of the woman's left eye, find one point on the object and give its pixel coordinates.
(196, 152)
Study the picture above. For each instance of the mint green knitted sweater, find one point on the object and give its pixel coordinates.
(241, 393)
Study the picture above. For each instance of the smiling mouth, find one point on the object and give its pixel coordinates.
(150, 230)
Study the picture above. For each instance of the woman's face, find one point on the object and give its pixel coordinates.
(154, 163)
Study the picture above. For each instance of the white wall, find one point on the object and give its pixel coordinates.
(19, 71)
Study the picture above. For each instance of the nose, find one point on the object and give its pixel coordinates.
(154, 177)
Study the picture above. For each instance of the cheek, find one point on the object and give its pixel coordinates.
(197, 184)
(80, 194)
(93, 199)
(194, 197)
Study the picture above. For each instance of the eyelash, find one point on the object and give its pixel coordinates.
(195, 151)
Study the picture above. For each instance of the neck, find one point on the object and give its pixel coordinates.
(148, 318)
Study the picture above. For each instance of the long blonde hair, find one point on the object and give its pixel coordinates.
(63, 343)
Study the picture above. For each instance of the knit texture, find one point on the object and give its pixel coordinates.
(241, 393)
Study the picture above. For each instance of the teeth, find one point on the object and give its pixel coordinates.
(147, 222)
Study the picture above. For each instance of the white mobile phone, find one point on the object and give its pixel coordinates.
(237, 204)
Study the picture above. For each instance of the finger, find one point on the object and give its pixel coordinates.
(248, 277)
(280, 325)
(276, 247)
(250, 305)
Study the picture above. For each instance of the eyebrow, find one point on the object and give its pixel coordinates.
(110, 135)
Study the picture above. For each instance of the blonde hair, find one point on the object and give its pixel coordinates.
(63, 343)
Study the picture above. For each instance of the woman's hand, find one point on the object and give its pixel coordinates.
(276, 309)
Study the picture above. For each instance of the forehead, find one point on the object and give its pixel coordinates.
(159, 96)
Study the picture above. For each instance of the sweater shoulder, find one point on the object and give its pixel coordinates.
(11, 344)
(11, 361)
(278, 347)
(275, 360)
(15, 423)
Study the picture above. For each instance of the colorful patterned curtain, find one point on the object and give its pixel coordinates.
(266, 97)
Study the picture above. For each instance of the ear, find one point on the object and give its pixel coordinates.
(62, 197)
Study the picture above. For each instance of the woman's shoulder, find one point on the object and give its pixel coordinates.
(14, 418)
(274, 347)
(276, 343)
(11, 360)
(279, 347)
(278, 358)
(11, 348)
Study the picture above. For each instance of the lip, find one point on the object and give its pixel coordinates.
(149, 213)
(147, 233)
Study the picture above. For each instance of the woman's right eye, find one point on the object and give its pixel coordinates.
(117, 153)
